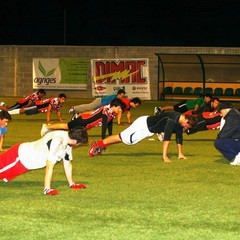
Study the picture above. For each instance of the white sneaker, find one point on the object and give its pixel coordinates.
(160, 136)
(44, 129)
(2, 104)
(157, 110)
(74, 116)
(71, 110)
(235, 162)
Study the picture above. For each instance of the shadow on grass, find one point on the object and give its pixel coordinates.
(198, 140)
(29, 120)
(22, 184)
(222, 161)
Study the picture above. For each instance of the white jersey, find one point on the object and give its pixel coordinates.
(53, 147)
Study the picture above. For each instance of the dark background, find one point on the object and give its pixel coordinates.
(120, 23)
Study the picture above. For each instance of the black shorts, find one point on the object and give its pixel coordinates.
(76, 123)
(181, 107)
(31, 110)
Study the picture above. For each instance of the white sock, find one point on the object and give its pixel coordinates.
(14, 111)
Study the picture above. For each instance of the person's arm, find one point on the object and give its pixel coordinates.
(104, 125)
(67, 164)
(165, 151)
(119, 116)
(48, 179)
(29, 104)
(49, 113)
(68, 171)
(59, 115)
(168, 130)
(1, 141)
(179, 141)
(110, 127)
(129, 117)
(196, 108)
(180, 152)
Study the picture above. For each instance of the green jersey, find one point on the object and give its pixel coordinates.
(191, 103)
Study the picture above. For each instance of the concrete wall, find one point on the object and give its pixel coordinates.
(16, 63)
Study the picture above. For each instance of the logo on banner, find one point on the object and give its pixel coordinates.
(46, 79)
(110, 75)
(121, 72)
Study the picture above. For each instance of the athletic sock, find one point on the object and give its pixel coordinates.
(101, 144)
(15, 111)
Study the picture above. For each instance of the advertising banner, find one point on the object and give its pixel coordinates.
(60, 73)
(109, 75)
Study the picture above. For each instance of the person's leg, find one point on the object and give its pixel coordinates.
(54, 126)
(28, 111)
(181, 107)
(228, 147)
(86, 107)
(10, 164)
(167, 108)
(97, 147)
(14, 111)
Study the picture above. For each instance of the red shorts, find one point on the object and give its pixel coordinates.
(10, 164)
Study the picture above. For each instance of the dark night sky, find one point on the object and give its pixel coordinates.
(139, 23)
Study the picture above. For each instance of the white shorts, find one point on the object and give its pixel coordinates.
(136, 132)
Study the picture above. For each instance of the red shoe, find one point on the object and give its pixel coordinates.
(78, 186)
(93, 148)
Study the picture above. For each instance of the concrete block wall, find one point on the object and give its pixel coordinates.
(16, 63)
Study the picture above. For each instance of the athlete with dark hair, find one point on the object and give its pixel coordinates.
(5, 117)
(45, 152)
(186, 105)
(146, 126)
(102, 116)
(130, 103)
(97, 103)
(47, 105)
(28, 100)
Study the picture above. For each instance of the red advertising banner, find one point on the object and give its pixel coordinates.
(109, 75)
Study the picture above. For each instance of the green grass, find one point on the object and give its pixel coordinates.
(131, 193)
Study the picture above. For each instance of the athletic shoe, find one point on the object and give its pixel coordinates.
(44, 129)
(100, 150)
(157, 110)
(93, 149)
(2, 104)
(235, 162)
(74, 116)
(160, 136)
(71, 110)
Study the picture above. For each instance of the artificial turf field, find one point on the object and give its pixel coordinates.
(131, 193)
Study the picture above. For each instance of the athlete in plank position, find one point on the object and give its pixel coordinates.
(45, 152)
(146, 126)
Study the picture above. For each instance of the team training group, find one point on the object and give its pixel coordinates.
(58, 139)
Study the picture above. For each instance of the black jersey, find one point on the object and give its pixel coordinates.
(167, 122)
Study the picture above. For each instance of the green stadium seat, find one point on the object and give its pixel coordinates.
(168, 91)
(208, 90)
(177, 91)
(237, 92)
(228, 92)
(188, 91)
(218, 91)
(198, 91)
